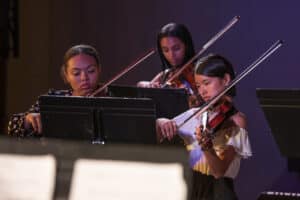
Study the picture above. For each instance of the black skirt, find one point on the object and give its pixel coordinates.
(206, 187)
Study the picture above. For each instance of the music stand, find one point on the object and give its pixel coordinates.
(282, 109)
(100, 119)
(67, 152)
(169, 102)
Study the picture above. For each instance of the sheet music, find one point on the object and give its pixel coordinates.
(27, 177)
(121, 180)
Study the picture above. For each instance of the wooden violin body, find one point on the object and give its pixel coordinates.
(222, 111)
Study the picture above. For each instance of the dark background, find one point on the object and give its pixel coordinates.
(124, 30)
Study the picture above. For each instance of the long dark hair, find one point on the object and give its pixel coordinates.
(181, 32)
(215, 65)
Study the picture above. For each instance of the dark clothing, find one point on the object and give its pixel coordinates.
(206, 187)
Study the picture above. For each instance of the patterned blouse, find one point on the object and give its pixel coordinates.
(16, 122)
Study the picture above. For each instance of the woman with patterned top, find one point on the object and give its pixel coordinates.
(215, 151)
(81, 70)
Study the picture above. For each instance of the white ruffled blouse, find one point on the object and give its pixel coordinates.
(233, 136)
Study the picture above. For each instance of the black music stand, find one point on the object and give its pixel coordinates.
(99, 119)
(169, 102)
(282, 110)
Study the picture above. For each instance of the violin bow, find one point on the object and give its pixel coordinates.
(230, 24)
(250, 68)
(124, 71)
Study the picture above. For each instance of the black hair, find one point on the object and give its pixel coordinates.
(181, 32)
(76, 50)
(215, 65)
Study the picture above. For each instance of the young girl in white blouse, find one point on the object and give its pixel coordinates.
(217, 139)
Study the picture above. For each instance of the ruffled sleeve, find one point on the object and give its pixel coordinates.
(241, 143)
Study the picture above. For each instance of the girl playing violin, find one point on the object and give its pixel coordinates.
(80, 70)
(217, 139)
(175, 48)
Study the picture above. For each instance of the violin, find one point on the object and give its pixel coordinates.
(186, 70)
(250, 68)
(188, 74)
(183, 80)
(187, 65)
(221, 112)
(186, 80)
(152, 51)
